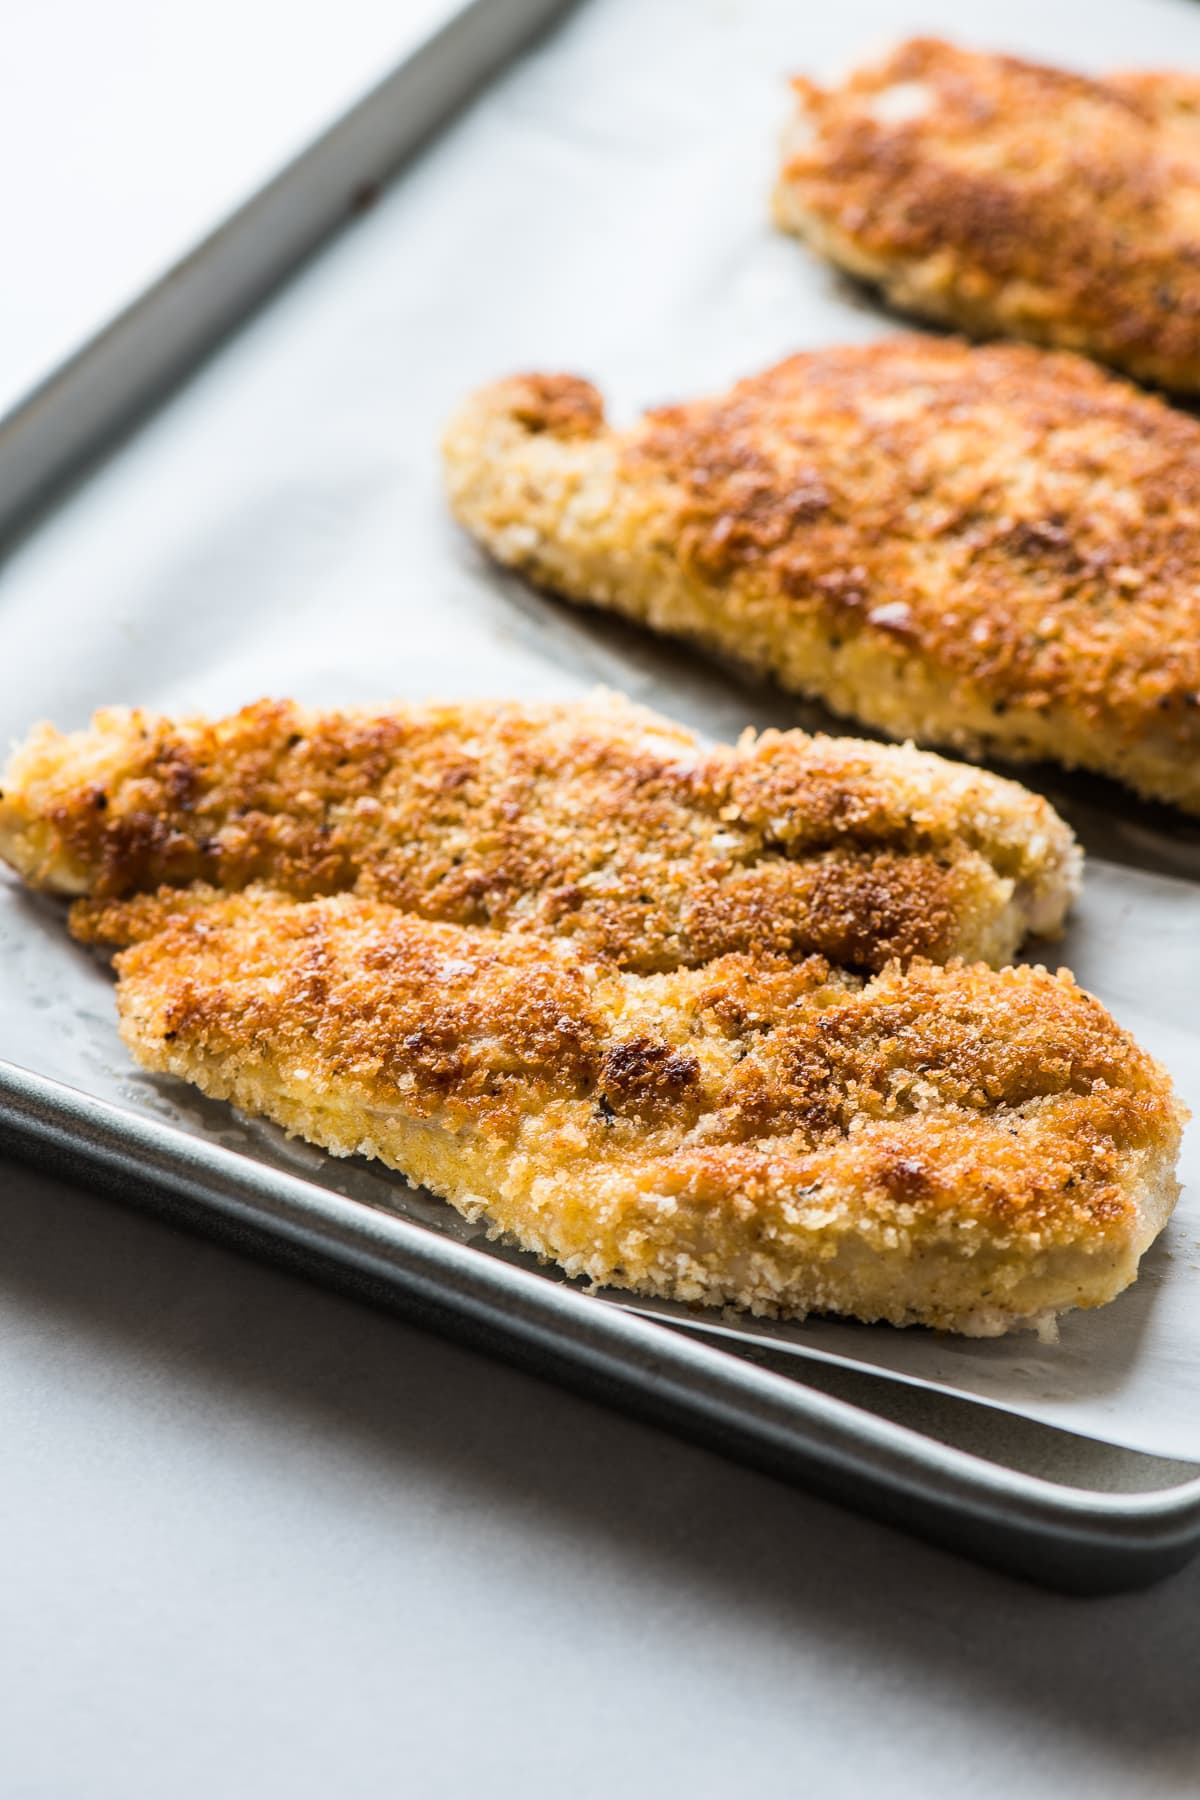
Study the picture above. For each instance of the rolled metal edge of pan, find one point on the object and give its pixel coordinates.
(1068, 1538)
(135, 361)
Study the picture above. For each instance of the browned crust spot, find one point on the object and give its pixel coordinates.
(565, 406)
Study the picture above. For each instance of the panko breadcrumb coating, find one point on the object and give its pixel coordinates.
(597, 821)
(992, 548)
(556, 964)
(957, 1147)
(1007, 198)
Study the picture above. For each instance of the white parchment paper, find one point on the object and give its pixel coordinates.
(278, 529)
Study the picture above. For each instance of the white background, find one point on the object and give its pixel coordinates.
(255, 1539)
(129, 128)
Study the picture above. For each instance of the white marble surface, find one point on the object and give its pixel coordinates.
(256, 1539)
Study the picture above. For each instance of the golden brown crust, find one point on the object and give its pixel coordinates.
(1007, 197)
(612, 1085)
(996, 547)
(954, 1146)
(596, 822)
(563, 405)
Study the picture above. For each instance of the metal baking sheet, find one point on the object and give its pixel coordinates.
(278, 528)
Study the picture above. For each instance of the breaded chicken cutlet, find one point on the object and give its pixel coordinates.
(994, 548)
(556, 965)
(598, 821)
(1006, 198)
(708, 1114)
(964, 1148)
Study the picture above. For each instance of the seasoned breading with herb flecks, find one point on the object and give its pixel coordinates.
(955, 1147)
(994, 548)
(596, 821)
(1007, 198)
(555, 964)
